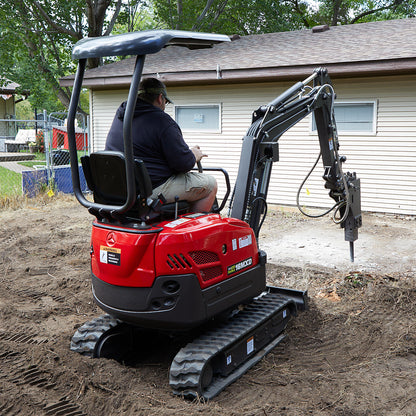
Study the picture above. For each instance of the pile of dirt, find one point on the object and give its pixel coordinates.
(351, 353)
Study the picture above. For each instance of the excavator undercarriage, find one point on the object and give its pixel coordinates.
(221, 351)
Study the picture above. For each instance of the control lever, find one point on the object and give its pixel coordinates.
(176, 207)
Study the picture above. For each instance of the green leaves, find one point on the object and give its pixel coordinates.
(335, 12)
(229, 16)
(38, 35)
(247, 17)
(37, 39)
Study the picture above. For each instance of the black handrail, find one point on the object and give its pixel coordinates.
(128, 144)
(227, 184)
(73, 105)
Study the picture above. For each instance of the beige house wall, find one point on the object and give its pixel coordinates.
(384, 160)
(7, 110)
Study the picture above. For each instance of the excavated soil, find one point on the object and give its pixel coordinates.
(353, 352)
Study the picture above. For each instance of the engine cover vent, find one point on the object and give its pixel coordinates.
(211, 273)
(178, 261)
(204, 257)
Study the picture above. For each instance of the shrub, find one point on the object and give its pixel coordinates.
(40, 141)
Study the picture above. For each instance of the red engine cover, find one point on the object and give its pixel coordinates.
(207, 245)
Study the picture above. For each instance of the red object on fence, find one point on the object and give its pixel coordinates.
(60, 138)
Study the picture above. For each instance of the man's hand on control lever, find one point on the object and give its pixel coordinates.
(196, 150)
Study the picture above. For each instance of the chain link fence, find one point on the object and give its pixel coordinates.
(34, 155)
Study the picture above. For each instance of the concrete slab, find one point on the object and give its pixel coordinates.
(15, 157)
(15, 166)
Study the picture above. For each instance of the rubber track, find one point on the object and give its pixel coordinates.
(86, 337)
(188, 365)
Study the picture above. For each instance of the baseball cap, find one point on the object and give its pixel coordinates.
(157, 91)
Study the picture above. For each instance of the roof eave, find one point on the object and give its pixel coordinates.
(251, 75)
(12, 91)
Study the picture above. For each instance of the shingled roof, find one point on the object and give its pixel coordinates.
(365, 49)
(7, 86)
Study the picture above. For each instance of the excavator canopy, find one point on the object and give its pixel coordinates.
(143, 43)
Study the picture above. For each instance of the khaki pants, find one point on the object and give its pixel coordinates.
(190, 186)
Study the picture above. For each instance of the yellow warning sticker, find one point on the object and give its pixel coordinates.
(110, 255)
(250, 345)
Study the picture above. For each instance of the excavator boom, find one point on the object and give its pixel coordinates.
(260, 149)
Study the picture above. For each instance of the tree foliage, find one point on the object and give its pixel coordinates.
(136, 15)
(336, 12)
(263, 16)
(38, 35)
(37, 38)
(230, 16)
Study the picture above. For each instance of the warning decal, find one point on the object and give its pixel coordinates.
(109, 255)
(244, 241)
(177, 222)
(250, 345)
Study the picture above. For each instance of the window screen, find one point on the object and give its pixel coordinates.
(198, 117)
(354, 117)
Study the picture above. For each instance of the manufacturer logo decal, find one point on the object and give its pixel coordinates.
(111, 238)
(240, 265)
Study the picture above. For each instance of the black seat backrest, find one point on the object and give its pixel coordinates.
(105, 173)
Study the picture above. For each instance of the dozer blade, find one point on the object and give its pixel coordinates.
(218, 357)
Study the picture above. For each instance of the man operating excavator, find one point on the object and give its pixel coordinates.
(158, 141)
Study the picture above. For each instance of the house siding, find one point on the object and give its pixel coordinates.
(7, 110)
(385, 161)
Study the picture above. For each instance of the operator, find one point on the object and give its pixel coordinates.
(158, 141)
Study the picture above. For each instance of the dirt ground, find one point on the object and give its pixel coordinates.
(352, 353)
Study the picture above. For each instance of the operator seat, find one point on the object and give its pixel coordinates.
(105, 173)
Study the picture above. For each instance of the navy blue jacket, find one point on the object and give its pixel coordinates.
(157, 140)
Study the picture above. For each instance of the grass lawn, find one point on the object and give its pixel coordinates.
(10, 182)
(40, 159)
(31, 163)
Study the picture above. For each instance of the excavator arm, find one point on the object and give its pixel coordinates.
(260, 149)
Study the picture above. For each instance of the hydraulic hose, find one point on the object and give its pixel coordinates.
(300, 189)
(345, 202)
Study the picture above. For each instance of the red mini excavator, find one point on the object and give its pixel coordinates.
(158, 268)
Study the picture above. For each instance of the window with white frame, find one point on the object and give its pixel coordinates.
(204, 118)
(354, 117)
